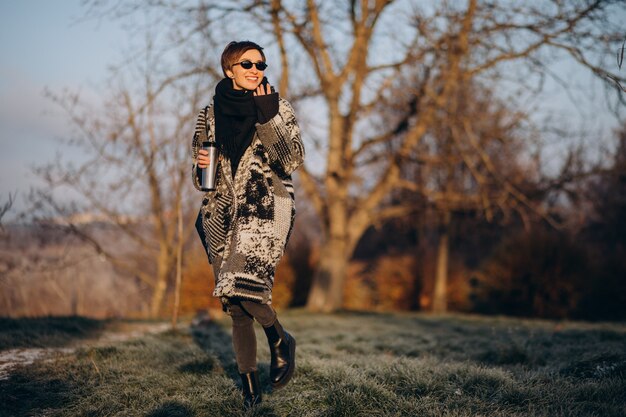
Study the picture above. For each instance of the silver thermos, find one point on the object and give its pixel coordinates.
(207, 178)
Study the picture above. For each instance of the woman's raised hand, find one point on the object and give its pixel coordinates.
(203, 158)
(262, 89)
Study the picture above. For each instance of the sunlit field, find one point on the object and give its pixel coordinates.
(458, 170)
(349, 364)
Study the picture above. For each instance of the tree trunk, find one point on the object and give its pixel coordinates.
(327, 288)
(179, 266)
(440, 296)
(157, 296)
(160, 287)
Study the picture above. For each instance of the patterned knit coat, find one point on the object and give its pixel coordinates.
(246, 222)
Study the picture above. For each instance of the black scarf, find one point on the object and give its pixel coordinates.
(235, 117)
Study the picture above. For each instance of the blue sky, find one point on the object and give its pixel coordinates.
(45, 45)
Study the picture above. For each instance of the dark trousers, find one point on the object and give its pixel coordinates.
(243, 314)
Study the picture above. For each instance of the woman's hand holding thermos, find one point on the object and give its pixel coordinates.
(207, 162)
(203, 158)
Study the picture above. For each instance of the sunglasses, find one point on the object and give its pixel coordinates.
(248, 64)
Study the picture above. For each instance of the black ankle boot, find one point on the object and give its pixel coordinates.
(251, 389)
(283, 352)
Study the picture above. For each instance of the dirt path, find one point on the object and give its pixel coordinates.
(119, 332)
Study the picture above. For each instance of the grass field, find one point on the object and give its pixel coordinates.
(349, 364)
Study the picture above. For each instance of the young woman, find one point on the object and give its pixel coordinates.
(246, 222)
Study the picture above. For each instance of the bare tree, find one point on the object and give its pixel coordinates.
(134, 174)
(345, 56)
(4, 209)
(472, 43)
(476, 158)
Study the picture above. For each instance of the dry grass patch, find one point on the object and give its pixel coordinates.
(350, 364)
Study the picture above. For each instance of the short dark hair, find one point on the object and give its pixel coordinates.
(234, 50)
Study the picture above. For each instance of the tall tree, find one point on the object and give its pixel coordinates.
(475, 159)
(134, 174)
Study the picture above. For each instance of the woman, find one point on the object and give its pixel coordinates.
(246, 222)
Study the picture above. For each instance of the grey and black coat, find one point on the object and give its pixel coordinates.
(245, 224)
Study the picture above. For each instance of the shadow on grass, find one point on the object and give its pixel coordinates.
(198, 367)
(171, 409)
(214, 340)
(28, 392)
(363, 313)
(47, 331)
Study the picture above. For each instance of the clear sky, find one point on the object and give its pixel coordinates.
(45, 45)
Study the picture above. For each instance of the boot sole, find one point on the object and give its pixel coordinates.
(289, 374)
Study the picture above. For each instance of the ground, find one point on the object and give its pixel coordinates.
(348, 364)
(28, 340)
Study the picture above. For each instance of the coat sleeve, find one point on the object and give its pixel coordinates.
(200, 135)
(281, 138)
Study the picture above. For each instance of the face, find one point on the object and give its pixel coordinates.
(246, 79)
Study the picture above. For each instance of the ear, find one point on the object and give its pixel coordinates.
(230, 74)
